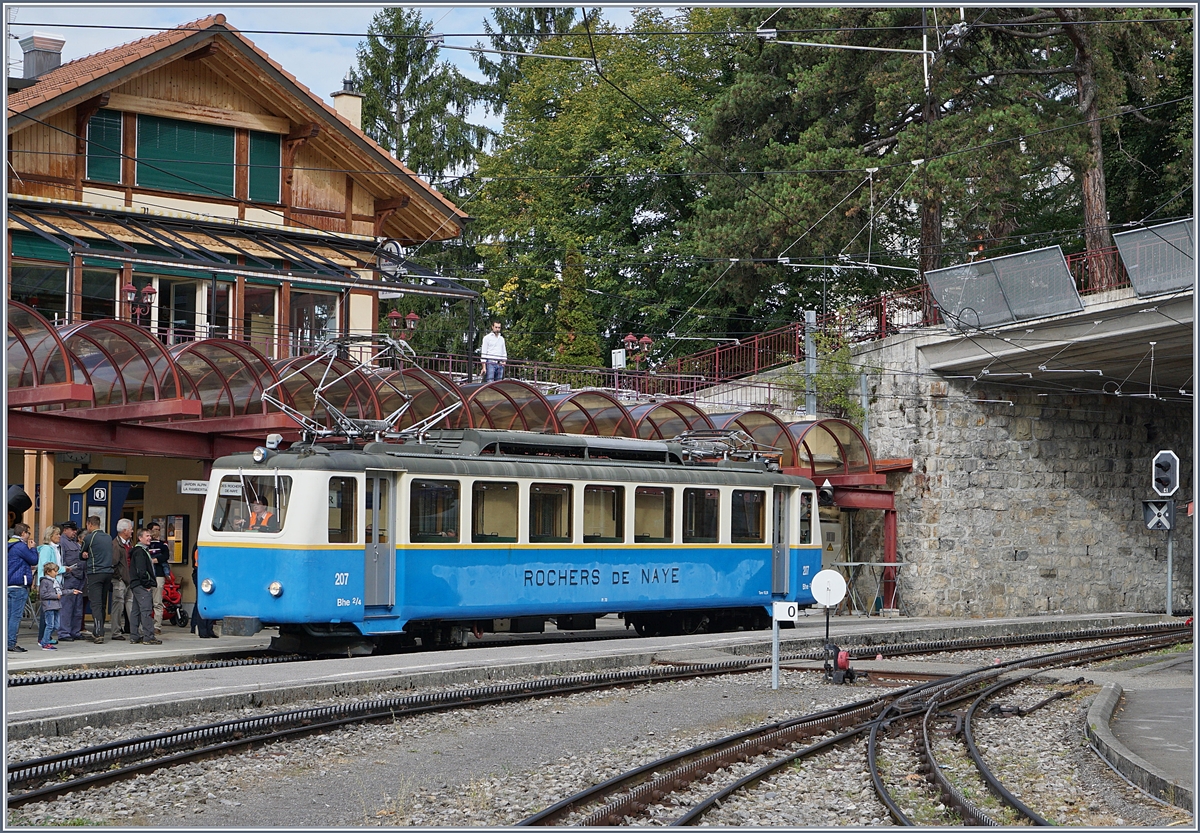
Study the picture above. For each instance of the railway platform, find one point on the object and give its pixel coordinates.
(1142, 722)
(178, 645)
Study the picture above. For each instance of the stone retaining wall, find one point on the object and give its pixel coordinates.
(1026, 508)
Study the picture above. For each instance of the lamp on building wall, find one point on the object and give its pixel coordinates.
(136, 310)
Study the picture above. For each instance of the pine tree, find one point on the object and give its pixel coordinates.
(414, 104)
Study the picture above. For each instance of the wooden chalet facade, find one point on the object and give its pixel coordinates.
(190, 162)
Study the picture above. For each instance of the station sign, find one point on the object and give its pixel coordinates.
(193, 487)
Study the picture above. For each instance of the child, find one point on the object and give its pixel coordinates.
(51, 596)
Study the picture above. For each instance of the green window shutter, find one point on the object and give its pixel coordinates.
(264, 166)
(25, 244)
(104, 147)
(185, 156)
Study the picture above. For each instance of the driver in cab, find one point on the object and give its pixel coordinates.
(262, 519)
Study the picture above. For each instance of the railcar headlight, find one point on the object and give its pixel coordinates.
(275, 589)
(207, 585)
(261, 454)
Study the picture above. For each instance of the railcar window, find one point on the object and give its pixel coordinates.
(494, 513)
(748, 517)
(652, 515)
(257, 503)
(603, 514)
(433, 512)
(549, 513)
(343, 510)
(701, 512)
(806, 505)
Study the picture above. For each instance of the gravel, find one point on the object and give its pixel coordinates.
(495, 765)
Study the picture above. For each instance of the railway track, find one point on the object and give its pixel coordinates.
(626, 798)
(83, 673)
(52, 776)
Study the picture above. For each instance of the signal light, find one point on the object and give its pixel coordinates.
(825, 494)
(1166, 473)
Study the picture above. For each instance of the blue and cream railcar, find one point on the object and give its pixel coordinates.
(484, 531)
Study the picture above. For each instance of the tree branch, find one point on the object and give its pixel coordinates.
(1043, 35)
(1129, 110)
(1003, 72)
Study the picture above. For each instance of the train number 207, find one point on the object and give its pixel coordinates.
(340, 579)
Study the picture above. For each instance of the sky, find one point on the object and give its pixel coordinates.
(318, 61)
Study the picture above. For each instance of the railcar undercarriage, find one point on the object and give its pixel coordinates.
(346, 640)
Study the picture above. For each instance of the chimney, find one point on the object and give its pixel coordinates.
(42, 54)
(348, 101)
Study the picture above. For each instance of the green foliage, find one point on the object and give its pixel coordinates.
(442, 328)
(659, 192)
(516, 29)
(585, 162)
(414, 104)
(576, 341)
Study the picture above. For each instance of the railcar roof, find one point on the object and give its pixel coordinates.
(481, 452)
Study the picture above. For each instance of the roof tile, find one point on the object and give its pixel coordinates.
(73, 74)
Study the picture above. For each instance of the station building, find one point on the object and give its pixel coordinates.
(184, 217)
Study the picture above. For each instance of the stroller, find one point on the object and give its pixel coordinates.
(172, 601)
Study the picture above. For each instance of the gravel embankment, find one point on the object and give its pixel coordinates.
(495, 765)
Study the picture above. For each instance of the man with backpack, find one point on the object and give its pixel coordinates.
(141, 584)
(98, 552)
(22, 558)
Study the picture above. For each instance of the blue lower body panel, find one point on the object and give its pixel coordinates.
(468, 583)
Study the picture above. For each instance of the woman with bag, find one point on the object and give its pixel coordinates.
(49, 553)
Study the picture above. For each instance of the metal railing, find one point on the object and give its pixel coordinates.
(1098, 271)
(869, 320)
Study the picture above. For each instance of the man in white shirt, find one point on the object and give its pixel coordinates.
(494, 354)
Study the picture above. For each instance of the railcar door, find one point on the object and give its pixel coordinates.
(780, 551)
(380, 567)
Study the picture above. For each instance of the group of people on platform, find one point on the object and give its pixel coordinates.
(124, 576)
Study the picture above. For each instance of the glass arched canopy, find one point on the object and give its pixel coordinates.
(229, 377)
(763, 427)
(431, 394)
(36, 354)
(666, 420)
(125, 363)
(351, 391)
(591, 412)
(831, 447)
(511, 405)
